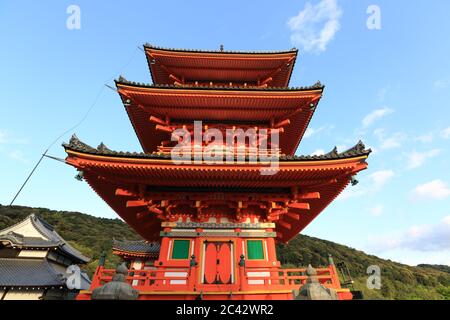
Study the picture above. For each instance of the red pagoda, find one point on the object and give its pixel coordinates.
(217, 222)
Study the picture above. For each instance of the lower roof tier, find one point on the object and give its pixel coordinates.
(147, 189)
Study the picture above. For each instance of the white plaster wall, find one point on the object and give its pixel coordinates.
(23, 295)
(33, 253)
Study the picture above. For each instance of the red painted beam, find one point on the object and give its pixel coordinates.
(124, 193)
(308, 195)
(292, 215)
(164, 128)
(142, 215)
(299, 205)
(157, 120)
(155, 210)
(282, 123)
(284, 224)
(136, 203)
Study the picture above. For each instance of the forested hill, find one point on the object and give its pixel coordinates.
(92, 235)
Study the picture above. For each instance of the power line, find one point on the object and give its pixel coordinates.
(97, 97)
(29, 176)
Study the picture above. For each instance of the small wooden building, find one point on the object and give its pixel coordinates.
(34, 262)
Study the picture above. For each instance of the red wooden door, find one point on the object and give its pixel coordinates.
(218, 266)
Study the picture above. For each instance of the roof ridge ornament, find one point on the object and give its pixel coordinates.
(333, 153)
(357, 149)
(318, 85)
(75, 143)
(102, 148)
(150, 46)
(122, 80)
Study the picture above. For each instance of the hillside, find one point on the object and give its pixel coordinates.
(92, 235)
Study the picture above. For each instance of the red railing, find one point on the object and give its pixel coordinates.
(185, 279)
(151, 279)
(287, 278)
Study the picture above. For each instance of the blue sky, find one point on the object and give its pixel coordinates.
(389, 87)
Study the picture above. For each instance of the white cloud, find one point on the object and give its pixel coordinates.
(315, 26)
(417, 159)
(390, 142)
(377, 210)
(377, 180)
(318, 152)
(7, 138)
(382, 93)
(435, 189)
(380, 178)
(441, 84)
(376, 115)
(352, 192)
(17, 155)
(425, 138)
(3, 136)
(312, 132)
(446, 133)
(7, 141)
(435, 237)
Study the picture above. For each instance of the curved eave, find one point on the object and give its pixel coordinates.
(134, 254)
(218, 104)
(113, 159)
(220, 65)
(123, 82)
(106, 171)
(148, 46)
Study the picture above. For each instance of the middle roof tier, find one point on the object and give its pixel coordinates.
(175, 105)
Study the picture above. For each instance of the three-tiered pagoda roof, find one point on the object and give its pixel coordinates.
(239, 186)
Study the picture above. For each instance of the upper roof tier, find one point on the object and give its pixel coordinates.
(184, 104)
(172, 66)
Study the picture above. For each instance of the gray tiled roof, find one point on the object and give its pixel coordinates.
(28, 272)
(148, 45)
(139, 246)
(76, 145)
(15, 272)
